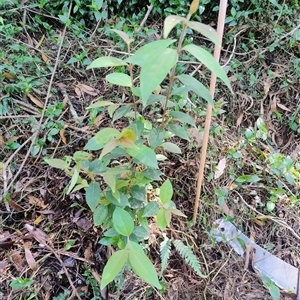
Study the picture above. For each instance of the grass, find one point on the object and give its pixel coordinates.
(256, 131)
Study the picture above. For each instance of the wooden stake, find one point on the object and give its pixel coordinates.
(220, 30)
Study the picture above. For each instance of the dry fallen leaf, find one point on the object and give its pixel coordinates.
(8, 75)
(220, 168)
(38, 220)
(36, 101)
(239, 120)
(196, 136)
(15, 205)
(295, 153)
(2, 141)
(283, 107)
(62, 134)
(29, 257)
(36, 201)
(45, 58)
(18, 260)
(87, 89)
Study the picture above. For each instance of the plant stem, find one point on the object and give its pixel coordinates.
(172, 72)
(130, 68)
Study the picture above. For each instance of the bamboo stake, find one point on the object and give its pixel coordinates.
(220, 30)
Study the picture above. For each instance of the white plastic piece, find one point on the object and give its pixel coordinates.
(281, 273)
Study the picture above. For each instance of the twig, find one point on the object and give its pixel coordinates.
(34, 136)
(276, 41)
(274, 219)
(234, 46)
(220, 30)
(19, 116)
(42, 238)
(149, 8)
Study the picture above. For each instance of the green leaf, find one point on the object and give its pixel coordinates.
(123, 35)
(144, 155)
(119, 79)
(106, 61)
(165, 252)
(150, 209)
(274, 292)
(155, 70)
(141, 232)
(110, 180)
(189, 257)
(93, 145)
(123, 222)
(57, 163)
(179, 131)
(100, 104)
(106, 134)
(92, 195)
(205, 30)
(21, 283)
(183, 117)
(247, 178)
(197, 87)
(111, 145)
(156, 137)
(114, 265)
(143, 54)
(73, 181)
(166, 192)
(177, 212)
(121, 112)
(209, 61)
(100, 214)
(142, 266)
(155, 98)
(171, 147)
(161, 219)
(82, 155)
(138, 192)
(170, 22)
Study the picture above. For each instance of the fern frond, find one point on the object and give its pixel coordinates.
(165, 251)
(189, 257)
(62, 296)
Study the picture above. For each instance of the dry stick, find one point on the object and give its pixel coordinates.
(149, 8)
(34, 136)
(220, 29)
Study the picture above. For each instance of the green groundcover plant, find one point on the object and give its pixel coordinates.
(119, 169)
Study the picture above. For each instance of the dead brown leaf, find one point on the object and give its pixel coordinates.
(78, 92)
(15, 205)
(2, 141)
(62, 134)
(18, 260)
(83, 223)
(45, 58)
(36, 101)
(87, 89)
(227, 211)
(295, 153)
(8, 75)
(38, 220)
(196, 136)
(36, 201)
(283, 107)
(99, 120)
(29, 257)
(239, 120)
